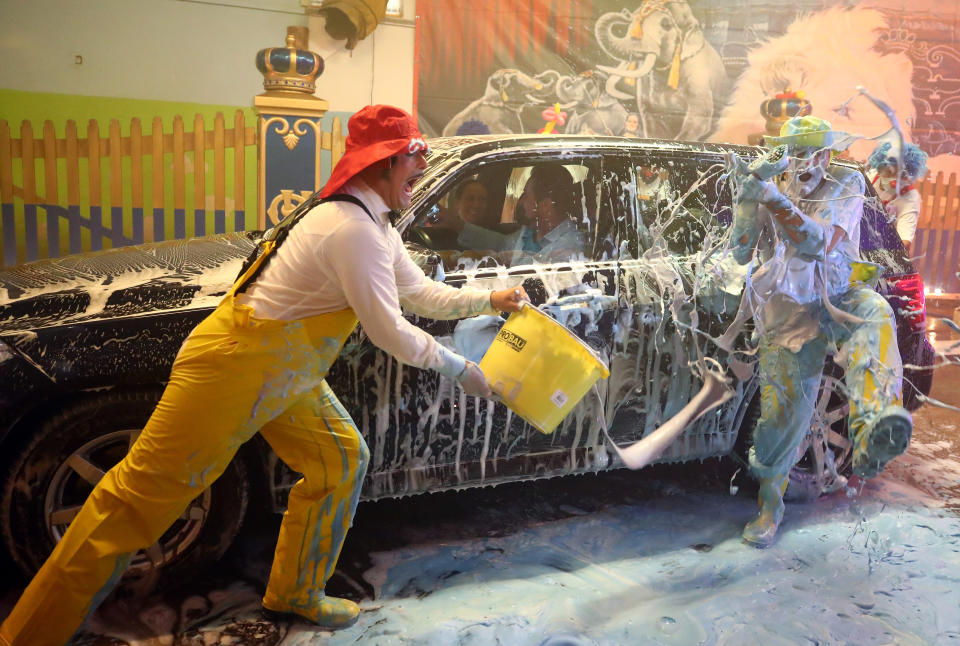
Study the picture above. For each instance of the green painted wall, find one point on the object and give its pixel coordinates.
(166, 50)
(17, 106)
(119, 59)
(37, 107)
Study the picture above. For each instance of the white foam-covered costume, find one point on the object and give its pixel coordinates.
(803, 234)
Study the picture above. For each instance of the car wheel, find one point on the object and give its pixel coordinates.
(826, 452)
(53, 474)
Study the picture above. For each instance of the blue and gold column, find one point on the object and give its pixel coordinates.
(289, 137)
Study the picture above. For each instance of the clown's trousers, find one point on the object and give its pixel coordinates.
(235, 375)
(790, 381)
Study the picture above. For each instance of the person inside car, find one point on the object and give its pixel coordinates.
(804, 299)
(470, 203)
(549, 207)
(469, 219)
(257, 364)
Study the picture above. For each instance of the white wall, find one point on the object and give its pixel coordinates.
(378, 70)
(184, 50)
(170, 50)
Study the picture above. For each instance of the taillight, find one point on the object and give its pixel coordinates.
(906, 297)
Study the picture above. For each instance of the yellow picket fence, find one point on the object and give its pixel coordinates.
(72, 194)
(936, 248)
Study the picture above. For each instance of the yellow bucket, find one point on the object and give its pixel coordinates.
(539, 368)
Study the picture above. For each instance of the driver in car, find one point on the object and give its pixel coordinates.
(547, 209)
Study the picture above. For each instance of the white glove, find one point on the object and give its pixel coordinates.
(473, 382)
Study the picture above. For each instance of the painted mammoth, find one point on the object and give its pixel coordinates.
(594, 110)
(677, 75)
(498, 110)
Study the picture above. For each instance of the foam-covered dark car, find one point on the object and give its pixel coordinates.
(86, 342)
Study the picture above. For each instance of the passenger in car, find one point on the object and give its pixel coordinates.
(806, 231)
(549, 207)
(470, 203)
(257, 364)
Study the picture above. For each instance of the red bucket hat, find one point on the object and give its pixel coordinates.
(375, 133)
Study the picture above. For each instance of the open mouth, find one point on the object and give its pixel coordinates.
(805, 176)
(408, 185)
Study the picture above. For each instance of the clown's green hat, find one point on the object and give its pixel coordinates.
(808, 132)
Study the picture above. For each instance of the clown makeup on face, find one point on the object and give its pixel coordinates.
(398, 180)
(808, 167)
(886, 177)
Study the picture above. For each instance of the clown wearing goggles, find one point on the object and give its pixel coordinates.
(257, 364)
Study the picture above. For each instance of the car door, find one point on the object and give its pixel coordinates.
(677, 296)
(423, 432)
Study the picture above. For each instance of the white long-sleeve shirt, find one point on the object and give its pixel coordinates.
(789, 289)
(338, 257)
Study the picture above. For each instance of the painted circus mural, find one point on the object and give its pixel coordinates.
(689, 69)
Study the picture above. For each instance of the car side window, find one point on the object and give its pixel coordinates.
(670, 201)
(514, 213)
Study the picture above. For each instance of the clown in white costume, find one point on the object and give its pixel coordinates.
(804, 232)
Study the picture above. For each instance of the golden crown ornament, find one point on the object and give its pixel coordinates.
(289, 69)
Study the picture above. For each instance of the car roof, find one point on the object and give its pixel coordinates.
(469, 146)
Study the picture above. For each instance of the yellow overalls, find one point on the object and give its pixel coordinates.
(235, 375)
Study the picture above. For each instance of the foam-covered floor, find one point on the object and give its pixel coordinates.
(663, 567)
(651, 557)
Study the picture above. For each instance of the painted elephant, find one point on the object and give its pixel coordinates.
(678, 76)
(498, 110)
(594, 110)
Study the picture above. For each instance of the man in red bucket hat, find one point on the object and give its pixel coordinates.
(257, 364)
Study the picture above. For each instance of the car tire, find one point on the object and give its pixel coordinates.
(51, 476)
(826, 453)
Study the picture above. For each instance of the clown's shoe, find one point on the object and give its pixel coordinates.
(332, 612)
(761, 531)
(882, 441)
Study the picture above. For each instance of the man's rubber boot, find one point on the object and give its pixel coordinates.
(882, 441)
(332, 613)
(761, 531)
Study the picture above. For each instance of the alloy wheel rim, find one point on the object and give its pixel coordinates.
(76, 477)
